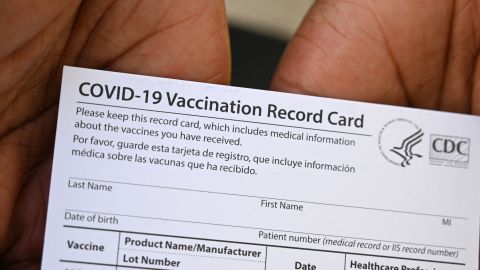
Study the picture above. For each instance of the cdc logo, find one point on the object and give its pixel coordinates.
(449, 150)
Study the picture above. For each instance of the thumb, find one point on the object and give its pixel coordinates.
(417, 53)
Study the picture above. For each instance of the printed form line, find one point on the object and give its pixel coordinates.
(272, 198)
(227, 119)
(256, 228)
(112, 265)
(266, 245)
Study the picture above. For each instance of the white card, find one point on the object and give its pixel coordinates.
(154, 173)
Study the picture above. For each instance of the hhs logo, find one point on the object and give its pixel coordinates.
(400, 142)
(449, 150)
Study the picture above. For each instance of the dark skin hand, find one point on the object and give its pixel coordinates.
(412, 53)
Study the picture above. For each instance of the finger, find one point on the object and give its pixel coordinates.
(461, 59)
(379, 51)
(180, 39)
(23, 20)
(30, 56)
(189, 41)
(29, 221)
(476, 90)
(29, 60)
(23, 151)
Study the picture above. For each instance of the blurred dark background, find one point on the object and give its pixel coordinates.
(254, 57)
(259, 33)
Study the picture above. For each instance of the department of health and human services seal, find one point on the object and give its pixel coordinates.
(398, 141)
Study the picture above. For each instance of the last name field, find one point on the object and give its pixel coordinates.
(88, 185)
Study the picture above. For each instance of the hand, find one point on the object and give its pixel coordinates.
(417, 53)
(413, 53)
(172, 38)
